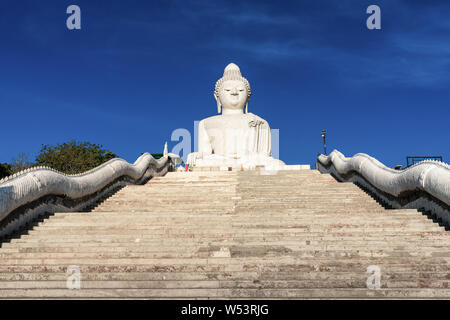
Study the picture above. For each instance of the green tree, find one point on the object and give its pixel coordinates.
(5, 170)
(157, 155)
(72, 157)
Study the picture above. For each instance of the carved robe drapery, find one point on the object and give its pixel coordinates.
(249, 135)
(259, 137)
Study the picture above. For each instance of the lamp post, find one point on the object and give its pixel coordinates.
(324, 132)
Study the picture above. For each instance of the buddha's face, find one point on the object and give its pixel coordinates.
(233, 94)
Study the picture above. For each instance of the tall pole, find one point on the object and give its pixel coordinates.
(324, 132)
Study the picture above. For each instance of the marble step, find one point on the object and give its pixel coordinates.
(246, 212)
(235, 238)
(147, 240)
(228, 225)
(174, 235)
(276, 252)
(335, 293)
(430, 277)
(232, 249)
(312, 244)
(236, 220)
(265, 260)
(233, 226)
(149, 224)
(301, 212)
(318, 266)
(195, 252)
(243, 217)
(357, 282)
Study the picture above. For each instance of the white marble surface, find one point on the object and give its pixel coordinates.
(234, 138)
(432, 177)
(34, 183)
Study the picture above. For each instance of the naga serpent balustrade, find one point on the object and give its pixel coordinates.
(35, 191)
(424, 186)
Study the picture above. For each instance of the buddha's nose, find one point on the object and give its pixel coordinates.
(234, 92)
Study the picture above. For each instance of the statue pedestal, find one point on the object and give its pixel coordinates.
(256, 168)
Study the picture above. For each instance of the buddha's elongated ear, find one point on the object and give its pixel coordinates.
(219, 105)
(246, 107)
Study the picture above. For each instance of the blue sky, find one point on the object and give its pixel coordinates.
(137, 70)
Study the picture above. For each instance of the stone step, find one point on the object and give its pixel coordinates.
(226, 284)
(243, 204)
(227, 226)
(299, 217)
(426, 277)
(256, 222)
(194, 224)
(173, 252)
(311, 244)
(148, 240)
(228, 293)
(236, 219)
(195, 247)
(237, 216)
(231, 226)
(275, 252)
(231, 220)
(338, 266)
(185, 234)
(225, 260)
(235, 239)
(244, 214)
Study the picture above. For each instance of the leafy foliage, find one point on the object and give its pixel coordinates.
(5, 170)
(72, 157)
(157, 155)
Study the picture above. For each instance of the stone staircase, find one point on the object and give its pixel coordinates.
(250, 234)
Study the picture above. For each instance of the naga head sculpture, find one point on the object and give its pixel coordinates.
(232, 91)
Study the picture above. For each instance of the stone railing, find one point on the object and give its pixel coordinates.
(38, 190)
(424, 186)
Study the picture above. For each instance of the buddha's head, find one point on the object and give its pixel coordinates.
(232, 91)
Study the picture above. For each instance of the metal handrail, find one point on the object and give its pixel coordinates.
(420, 158)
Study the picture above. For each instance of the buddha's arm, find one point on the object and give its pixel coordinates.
(204, 144)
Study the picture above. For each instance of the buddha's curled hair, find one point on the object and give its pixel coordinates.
(232, 72)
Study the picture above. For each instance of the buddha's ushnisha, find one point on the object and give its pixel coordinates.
(233, 138)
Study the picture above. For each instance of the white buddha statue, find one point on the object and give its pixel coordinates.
(234, 138)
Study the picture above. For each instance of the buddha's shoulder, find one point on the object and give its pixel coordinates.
(254, 117)
(210, 120)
